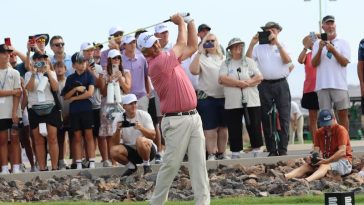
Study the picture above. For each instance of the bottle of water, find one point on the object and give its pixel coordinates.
(110, 93)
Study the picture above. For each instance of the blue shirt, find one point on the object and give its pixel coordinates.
(67, 61)
(361, 51)
(85, 79)
(21, 68)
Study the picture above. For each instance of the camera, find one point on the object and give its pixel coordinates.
(125, 123)
(324, 36)
(76, 84)
(314, 158)
(264, 37)
(39, 64)
(91, 63)
(208, 45)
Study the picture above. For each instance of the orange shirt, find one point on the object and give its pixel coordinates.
(339, 137)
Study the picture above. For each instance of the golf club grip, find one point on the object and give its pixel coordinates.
(168, 20)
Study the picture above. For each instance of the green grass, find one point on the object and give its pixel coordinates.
(311, 200)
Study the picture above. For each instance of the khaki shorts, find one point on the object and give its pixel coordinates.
(342, 166)
(333, 99)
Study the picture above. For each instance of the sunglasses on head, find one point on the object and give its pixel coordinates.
(41, 40)
(59, 44)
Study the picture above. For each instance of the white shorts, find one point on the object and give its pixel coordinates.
(342, 166)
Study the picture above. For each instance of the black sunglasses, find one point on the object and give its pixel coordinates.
(59, 44)
(210, 41)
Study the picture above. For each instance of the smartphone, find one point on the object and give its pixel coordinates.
(324, 36)
(264, 37)
(7, 41)
(31, 41)
(208, 45)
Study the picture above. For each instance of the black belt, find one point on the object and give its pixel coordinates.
(170, 114)
(275, 81)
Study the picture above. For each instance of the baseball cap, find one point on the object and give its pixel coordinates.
(234, 41)
(4, 48)
(113, 53)
(271, 24)
(127, 39)
(77, 58)
(160, 28)
(86, 46)
(325, 118)
(146, 40)
(129, 98)
(328, 18)
(114, 30)
(38, 55)
(203, 26)
(98, 45)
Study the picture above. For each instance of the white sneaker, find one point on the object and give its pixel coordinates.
(211, 157)
(62, 165)
(256, 152)
(106, 163)
(4, 172)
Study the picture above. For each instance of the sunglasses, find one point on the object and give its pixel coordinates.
(118, 34)
(59, 44)
(210, 41)
(117, 58)
(41, 40)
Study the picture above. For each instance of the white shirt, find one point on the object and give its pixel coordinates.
(9, 80)
(270, 62)
(295, 109)
(233, 95)
(209, 75)
(36, 97)
(130, 134)
(330, 74)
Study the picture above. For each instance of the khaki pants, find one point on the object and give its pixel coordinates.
(183, 133)
(299, 130)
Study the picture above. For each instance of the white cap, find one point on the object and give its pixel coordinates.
(160, 28)
(127, 39)
(114, 30)
(146, 40)
(86, 46)
(113, 53)
(129, 98)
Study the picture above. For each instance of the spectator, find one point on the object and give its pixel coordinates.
(203, 30)
(135, 62)
(161, 32)
(181, 124)
(210, 96)
(97, 52)
(296, 124)
(333, 145)
(132, 141)
(361, 81)
(309, 98)
(78, 89)
(9, 111)
(57, 46)
(14, 61)
(61, 70)
(115, 39)
(331, 58)
(240, 77)
(122, 79)
(44, 117)
(275, 65)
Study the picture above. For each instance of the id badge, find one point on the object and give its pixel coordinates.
(2, 100)
(41, 97)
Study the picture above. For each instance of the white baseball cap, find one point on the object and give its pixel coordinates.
(114, 30)
(86, 46)
(146, 40)
(127, 39)
(160, 28)
(129, 98)
(113, 53)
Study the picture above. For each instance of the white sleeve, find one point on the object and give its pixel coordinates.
(146, 120)
(118, 118)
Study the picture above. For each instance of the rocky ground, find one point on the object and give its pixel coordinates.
(225, 181)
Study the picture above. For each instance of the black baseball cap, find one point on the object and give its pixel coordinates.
(328, 18)
(38, 55)
(202, 27)
(5, 49)
(271, 24)
(77, 58)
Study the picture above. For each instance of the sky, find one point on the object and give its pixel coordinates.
(88, 21)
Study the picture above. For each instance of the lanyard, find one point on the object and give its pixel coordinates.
(3, 83)
(327, 146)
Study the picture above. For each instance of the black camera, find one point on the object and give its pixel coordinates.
(324, 36)
(125, 123)
(314, 158)
(264, 37)
(76, 84)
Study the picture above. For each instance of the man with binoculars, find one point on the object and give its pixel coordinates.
(132, 142)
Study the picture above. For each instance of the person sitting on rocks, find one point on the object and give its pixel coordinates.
(332, 151)
(132, 142)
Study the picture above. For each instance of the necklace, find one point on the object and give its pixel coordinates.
(327, 146)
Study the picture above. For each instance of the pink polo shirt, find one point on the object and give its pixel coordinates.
(310, 79)
(173, 86)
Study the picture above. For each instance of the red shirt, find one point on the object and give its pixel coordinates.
(310, 80)
(339, 136)
(173, 86)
